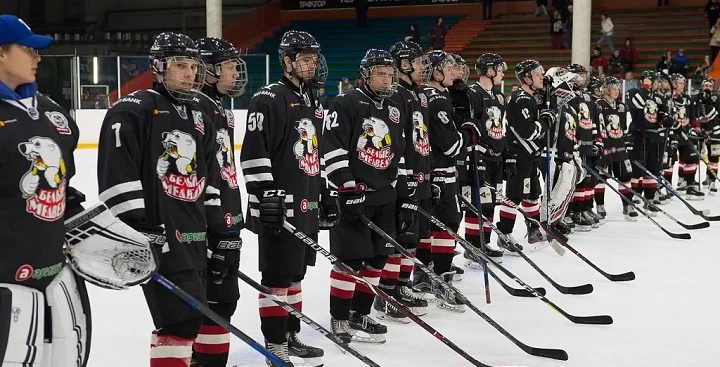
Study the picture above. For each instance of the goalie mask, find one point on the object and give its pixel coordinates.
(175, 62)
(491, 66)
(442, 67)
(562, 85)
(582, 72)
(530, 73)
(223, 66)
(378, 71)
(303, 53)
(409, 60)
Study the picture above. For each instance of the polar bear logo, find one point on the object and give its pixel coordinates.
(613, 127)
(180, 146)
(375, 133)
(308, 141)
(584, 115)
(419, 127)
(47, 162)
(494, 125)
(651, 111)
(226, 148)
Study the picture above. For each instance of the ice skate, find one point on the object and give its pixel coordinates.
(445, 298)
(651, 210)
(713, 188)
(414, 301)
(421, 282)
(582, 224)
(599, 218)
(693, 192)
(630, 213)
(536, 239)
(594, 222)
(366, 329)
(342, 330)
(281, 351)
(459, 272)
(311, 356)
(511, 249)
(386, 311)
(601, 211)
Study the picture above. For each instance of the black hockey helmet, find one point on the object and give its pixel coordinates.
(487, 62)
(648, 74)
(377, 58)
(438, 59)
(675, 77)
(611, 80)
(295, 42)
(218, 55)
(593, 85)
(709, 82)
(169, 48)
(409, 50)
(524, 69)
(461, 67)
(577, 69)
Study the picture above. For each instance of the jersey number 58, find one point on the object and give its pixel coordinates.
(255, 121)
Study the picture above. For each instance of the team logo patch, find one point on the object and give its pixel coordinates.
(198, 121)
(423, 100)
(394, 114)
(33, 113)
(681, 117)
(584, 114)
(651, 110)
(614, 130)
(621, 108)
(43, 185)
(176, 167)
(319, 112)
(494, 124)
(306, 98)
(24, 272)
(59, 121)
(230, 118)
(421, 142)
(306, 148)
(226, 158)
(374, 145)
(570, 126)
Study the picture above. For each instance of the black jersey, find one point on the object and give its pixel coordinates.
(525, 133)
(447, 143)
(363, 143)
(613, 117)
(488, 107)
(707, 112)
(646, 112)
(224, 122)
(280, 151)
(683, 117)
(157, 165)
(588, 127)
(37, 142)
(418, 161)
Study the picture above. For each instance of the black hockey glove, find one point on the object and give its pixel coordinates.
(460, 101)
(329, 210)
(73, 202)
(510, 166)
(155, 235)
(225, 259)
(673, 148)
(436, 192)
(597, 148)
(547, 118)
(352, 201)
(406, 216)
(471, 132)
(437, 185)
(272, 208)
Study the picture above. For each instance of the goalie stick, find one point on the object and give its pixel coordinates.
(700, 225)
(594, 320)
(703, 213)
(301, 316)
(613, 277)
(540, 352)
(350, 272)
(205, 310)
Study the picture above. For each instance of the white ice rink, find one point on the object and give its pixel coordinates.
(668, 316)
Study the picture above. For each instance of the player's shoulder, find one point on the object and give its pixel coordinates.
(520, 96)
(435, 96)
(138, 101)
(271, 92)
(45, 101)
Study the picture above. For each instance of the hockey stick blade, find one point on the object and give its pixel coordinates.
(624, 277)
(700, 225)
(711, 218)
(517, 292)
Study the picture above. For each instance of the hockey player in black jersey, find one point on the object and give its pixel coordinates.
(226, 75)
(685, 135)
(412, 71)
(363, 145)
(614, 155)
(707, 105)
(158, 172)
(37, 145)
(527, 123)
(281, 164)
(488, 108)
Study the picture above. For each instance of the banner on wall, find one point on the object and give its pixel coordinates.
(337, 4)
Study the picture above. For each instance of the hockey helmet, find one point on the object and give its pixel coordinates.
(647, 74)
(221, 57)
(526, 68)
(708, 83)
(675, 77)
(608, 83)
(410, 51)
(461, 68)
(593, 85)
(562, 83)
(321, 73)
(170, 49)
(370, 65)
(489, 61)
(439, 59)
(295, 42)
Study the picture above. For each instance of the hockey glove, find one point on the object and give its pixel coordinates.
(437, 179)
(436, 192)
(673, 149)
(352, 201)
(406, 216)
(225, 259)
(329, 210)
(510, 167)
(155, 235)
(598, 148)
(73, 202)
(547, 119)
(272, 208)
(470, 131)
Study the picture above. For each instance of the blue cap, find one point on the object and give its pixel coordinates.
(14, 30)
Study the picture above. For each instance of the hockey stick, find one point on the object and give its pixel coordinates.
(680, 236)
(594, 320)
(613, 277)
(205, 310)
(476, 192)
(317, 327)
(350, 272)
(700, 225)
(540, 352)
(703, 214)
(695, 150)
(517, 292)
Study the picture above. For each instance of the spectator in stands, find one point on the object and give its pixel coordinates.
(598, 62)
(345, 85)
(616, 64)
(414, 34)
(630, 81)
(629, 53)
(714, 41)
(664, 63)
(437, 35)
(702, 70)
(680, 63)
(541, 8)
(556, 31)
(359, 82)
(361, 9)
(323, 98)
(606, 28)
(487, 9)
(712, 8)
(568, 27)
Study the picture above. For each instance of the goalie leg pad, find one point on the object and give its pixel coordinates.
(22, 324)
(562, 191)
(67, 300)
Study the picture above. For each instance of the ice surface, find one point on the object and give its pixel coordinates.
(666, 317)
